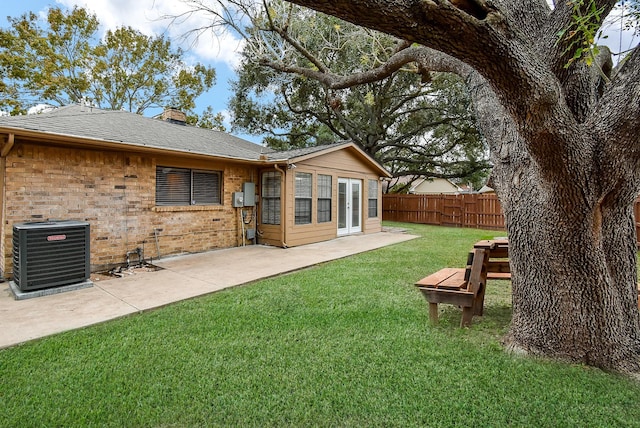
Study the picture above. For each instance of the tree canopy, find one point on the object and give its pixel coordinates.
(414, 122)
(61, 61)
(564, 140)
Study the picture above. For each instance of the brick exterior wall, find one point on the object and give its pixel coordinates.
(115, 193)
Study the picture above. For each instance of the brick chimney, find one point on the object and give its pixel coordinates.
(174, 115)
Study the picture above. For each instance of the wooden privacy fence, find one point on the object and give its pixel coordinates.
(481, 211)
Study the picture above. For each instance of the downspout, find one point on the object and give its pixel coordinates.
(283, 216)
(4, 152)
(8, 145)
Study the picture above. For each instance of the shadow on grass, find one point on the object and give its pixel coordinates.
(494, 317)
(486, 330)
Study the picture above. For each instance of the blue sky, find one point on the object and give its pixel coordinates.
(219, 52)
(144, 15)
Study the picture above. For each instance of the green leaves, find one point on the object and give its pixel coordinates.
(579, 37)
(62, 61)
(410, 126)
(48, 64)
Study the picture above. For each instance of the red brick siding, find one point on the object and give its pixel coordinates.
(115, 193)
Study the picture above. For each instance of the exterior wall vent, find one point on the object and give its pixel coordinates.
(50, 254)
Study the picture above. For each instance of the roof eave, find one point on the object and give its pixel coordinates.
(350, 144)
(88, 142)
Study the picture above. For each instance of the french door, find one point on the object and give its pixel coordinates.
(349, 206)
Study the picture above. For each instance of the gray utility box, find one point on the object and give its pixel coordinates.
(249, 191)
(50, 254)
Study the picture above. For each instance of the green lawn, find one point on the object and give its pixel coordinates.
(347, 343)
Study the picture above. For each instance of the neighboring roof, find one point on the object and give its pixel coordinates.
(486, 189)
(433, 185)
(91, 124)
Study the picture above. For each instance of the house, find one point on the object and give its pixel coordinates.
(167, 188)
(487, 190)
(434, 186)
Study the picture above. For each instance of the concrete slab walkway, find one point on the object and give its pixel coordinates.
(182, 277)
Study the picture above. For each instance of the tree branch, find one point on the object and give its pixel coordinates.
(517, 72)
(428, 59)
(615, 119)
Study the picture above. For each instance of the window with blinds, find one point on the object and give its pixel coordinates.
(304, 183)
(183, 186)
(373, 198)
(324, 198)
(270, 198)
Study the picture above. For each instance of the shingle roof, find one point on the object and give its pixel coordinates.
(90, 123)
(296, 153)
(133, 129)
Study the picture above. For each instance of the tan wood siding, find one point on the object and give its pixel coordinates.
(343, 160)
(339, 164)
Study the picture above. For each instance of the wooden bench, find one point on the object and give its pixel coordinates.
(489, 260)
(461, 287)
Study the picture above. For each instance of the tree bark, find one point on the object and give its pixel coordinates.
(566, 151)
(572, 253)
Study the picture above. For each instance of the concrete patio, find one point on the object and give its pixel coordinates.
(181, 277)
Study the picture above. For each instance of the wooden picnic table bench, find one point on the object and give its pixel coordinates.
(465, 287)
(498, 264)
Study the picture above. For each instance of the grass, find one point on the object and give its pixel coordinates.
(346, 343)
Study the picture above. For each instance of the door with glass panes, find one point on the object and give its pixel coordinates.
(349, 206)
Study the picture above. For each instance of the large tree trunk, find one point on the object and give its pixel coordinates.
(565, 143)
(572, 252)
(574, 270)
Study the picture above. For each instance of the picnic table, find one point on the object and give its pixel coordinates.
(465, 287)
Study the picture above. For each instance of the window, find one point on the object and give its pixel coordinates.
(183, 186)
(303, 198)
(270, 197)
(373, 198)
(324, 198)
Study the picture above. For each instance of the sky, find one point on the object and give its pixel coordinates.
(218, 52)
(145, 16)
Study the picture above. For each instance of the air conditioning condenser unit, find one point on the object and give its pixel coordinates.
(50, 254)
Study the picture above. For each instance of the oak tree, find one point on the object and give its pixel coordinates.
(565, 142)
(414, 122)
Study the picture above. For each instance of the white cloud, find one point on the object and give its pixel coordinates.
(41, 108)
(146, 17)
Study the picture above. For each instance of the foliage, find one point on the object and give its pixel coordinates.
(412, 122)
(48, 63)
(208, 120)
(631, 14)
(346, 343)
(62, 62)
(580, 35)
(585, 32)
(133, 71)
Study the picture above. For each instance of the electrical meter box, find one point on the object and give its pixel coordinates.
(249, 190)
(237, 199)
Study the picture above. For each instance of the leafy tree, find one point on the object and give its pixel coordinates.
(63, 62)
(208, 120)
(48, 63)
(133, 71)
(564, 138)
(413, 122)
